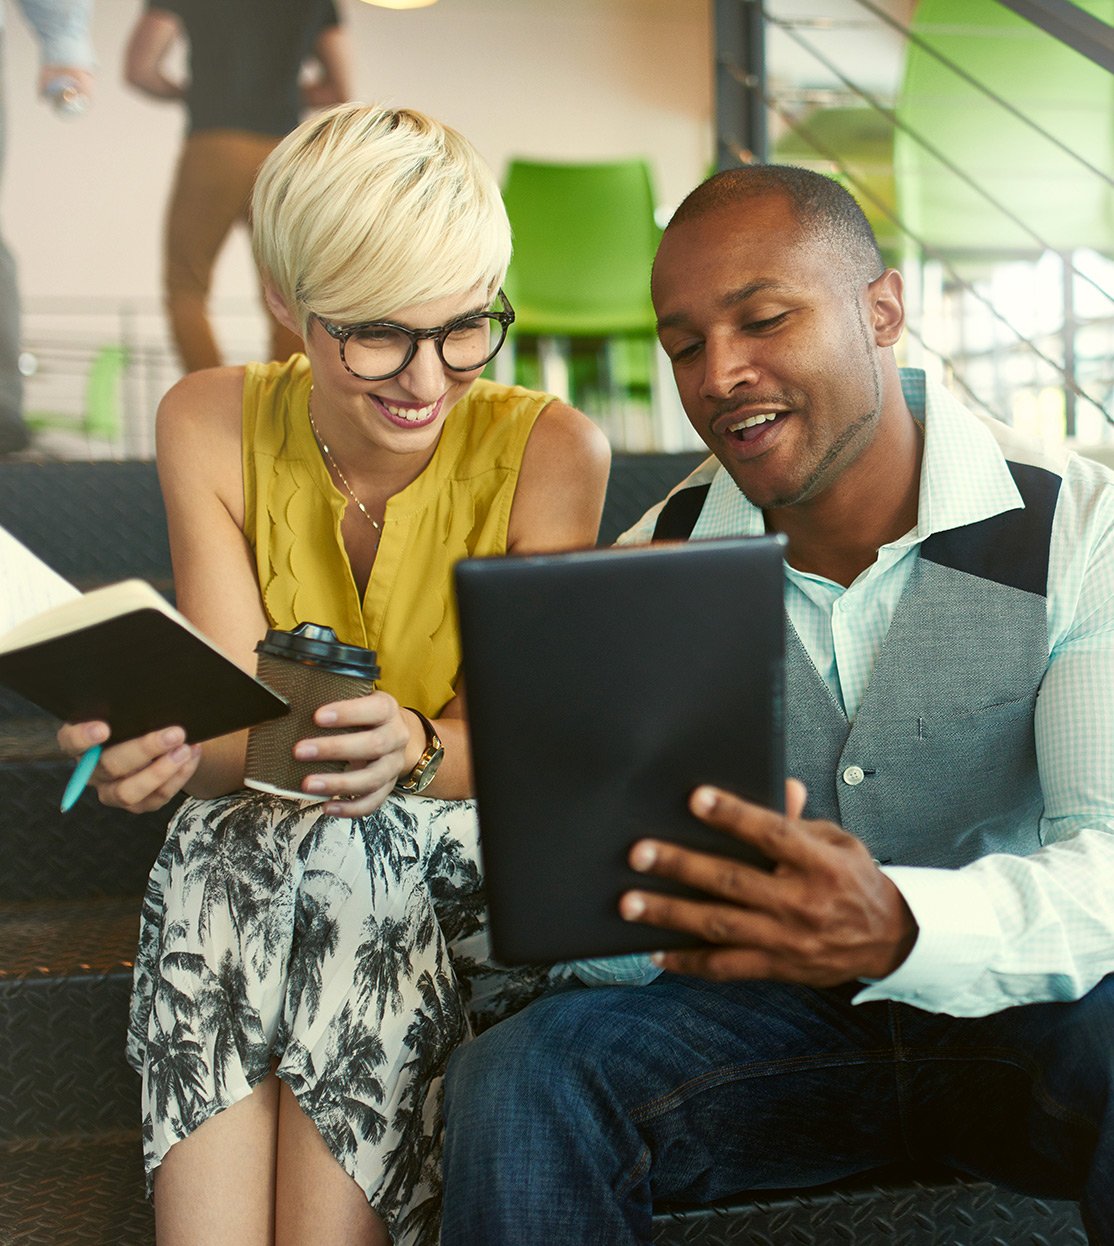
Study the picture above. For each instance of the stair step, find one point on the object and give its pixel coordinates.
(65, 979)
(91, 851)
(26, 733)
(75, 1191)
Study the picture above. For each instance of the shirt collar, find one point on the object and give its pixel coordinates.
(964, 476)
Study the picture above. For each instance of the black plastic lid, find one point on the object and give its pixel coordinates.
(315, 645)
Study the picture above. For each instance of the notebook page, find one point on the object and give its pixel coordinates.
(27, 585)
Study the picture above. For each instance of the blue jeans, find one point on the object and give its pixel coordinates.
(565, 1122)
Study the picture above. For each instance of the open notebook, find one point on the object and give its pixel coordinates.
(602, 687)
(120, 653)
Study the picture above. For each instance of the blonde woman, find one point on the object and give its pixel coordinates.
(304, 971)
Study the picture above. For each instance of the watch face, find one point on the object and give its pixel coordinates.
(426, 777)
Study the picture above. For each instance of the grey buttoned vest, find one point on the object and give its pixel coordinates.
(939, 766)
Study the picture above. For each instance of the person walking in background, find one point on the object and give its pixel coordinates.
(66, 50)
(246, 85)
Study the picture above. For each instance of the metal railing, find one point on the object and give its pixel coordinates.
(78, 409)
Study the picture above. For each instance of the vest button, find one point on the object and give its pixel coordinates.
(853, 776)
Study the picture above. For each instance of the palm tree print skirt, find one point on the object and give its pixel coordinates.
(350, 954)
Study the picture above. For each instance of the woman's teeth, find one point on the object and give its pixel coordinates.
(412, 415)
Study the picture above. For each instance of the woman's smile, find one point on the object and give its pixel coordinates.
(408, 414)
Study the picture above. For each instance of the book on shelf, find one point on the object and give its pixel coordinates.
(121, 654)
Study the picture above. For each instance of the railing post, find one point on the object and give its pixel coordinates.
(741, 136)
(1068, 23)
(1068, 335)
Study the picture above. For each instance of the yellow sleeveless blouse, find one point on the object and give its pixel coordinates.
(458, 507)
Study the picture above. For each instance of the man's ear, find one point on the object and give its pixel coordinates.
(277, 306)
(887, 307)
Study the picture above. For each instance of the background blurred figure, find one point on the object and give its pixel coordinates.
(62, 28)
(247, 82)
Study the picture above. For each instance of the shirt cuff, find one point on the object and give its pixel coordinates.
(72, 51)
(633, 970)
(957, 935)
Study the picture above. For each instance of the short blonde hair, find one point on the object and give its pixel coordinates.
(363, 210)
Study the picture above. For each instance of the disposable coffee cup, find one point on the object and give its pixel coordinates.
(310, 668)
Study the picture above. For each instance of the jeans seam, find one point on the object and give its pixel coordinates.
(901, 1076)
(654, 1108)
(635, 1174)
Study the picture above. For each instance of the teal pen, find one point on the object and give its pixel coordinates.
(82, 773)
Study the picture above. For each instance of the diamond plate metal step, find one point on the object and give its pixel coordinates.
(74, 1191)
(887, 1210)
(65, 977)
(91, 851)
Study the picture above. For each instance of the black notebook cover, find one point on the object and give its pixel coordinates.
(139, 671)
(602, 687)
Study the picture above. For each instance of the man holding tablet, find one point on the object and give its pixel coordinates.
(926, 972)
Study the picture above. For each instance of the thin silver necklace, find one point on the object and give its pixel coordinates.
(343, 478)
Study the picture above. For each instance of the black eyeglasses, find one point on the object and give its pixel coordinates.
(380, 349)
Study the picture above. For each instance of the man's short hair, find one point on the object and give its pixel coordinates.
(821, 205)
(363, 210)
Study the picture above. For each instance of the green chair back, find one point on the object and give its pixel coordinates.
(584, 241)
(1061, 90)
(102, 392)
(100, 417)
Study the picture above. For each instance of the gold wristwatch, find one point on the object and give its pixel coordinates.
(426, 766)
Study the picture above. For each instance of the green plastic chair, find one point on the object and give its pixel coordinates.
(1066, 94)
(584, 242)
(100, 417)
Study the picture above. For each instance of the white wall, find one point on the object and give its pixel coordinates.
(82, 199)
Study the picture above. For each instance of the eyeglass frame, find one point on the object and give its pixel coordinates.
(342, 332)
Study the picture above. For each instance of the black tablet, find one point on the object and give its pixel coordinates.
(602, 687)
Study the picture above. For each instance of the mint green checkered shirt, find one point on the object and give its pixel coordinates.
(1005, 930)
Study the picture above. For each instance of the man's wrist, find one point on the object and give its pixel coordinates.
(904, 937)
(958, 935)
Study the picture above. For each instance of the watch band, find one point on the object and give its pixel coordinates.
(426, 766)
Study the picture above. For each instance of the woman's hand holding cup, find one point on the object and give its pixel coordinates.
(356, 761)
(372, 741)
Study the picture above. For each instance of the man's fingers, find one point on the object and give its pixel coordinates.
(795, 796)
(725, 924)
(722, 877)
(779, 836)
(718, 964)
(767, 829)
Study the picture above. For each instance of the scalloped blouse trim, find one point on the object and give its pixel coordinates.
(458, 507)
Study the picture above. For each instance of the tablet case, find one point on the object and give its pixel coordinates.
(602, 687)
